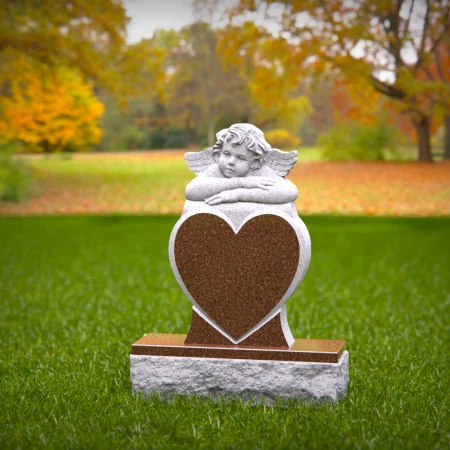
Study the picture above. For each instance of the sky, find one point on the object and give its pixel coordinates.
(149, 15)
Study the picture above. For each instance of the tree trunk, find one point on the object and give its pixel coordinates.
(45, 144)
(423, 138)
(187, 133)
(447, 137)
(211, 127)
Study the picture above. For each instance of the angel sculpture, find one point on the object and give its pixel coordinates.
(240, 182)
(241, 167)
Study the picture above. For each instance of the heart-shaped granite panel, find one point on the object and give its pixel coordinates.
(236, 279)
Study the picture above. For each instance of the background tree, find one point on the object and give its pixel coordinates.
(322, 117)
(352, 101)
(84, 35)
(370, 40)
(437, 73)
(133, 118)
(50, 54)
(195, 82)
(55, 111)
(264, 65)
(202, 87)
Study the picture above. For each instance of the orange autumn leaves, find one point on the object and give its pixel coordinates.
(373, 188)
(50, 111)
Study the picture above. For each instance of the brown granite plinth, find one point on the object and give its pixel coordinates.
(303, 350)
(269, 335)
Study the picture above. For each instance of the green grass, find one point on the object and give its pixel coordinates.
(139, 176)
(117, 182)
(77, 291)
(309, 154)
(114, 172)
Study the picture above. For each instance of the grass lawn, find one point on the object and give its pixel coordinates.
(77, 291)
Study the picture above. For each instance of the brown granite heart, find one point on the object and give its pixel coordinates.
(236, 279)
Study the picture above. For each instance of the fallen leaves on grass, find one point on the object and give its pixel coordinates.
(360, 188)
(373, 188)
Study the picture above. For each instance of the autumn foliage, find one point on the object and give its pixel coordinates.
(282, 139)
(52, 54)
(55, 111)
(396, 49)
(201, 82)
(60, 61)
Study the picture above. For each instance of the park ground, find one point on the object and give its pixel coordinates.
(77, 291)
(154, 182)
(80, 283)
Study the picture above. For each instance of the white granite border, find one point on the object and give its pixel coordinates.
(303, 264)
(263, 381)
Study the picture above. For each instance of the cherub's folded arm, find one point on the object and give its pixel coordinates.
(203, 187)
(283, 191)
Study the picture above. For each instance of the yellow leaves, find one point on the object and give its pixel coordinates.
(50, 111)
(143, 69)
(269, 67)
(238, 44)
(282, 139)
(360, 39)
(352, 99)
(85, 35)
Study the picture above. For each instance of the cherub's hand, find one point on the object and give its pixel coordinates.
(258, 182)
(231, 196)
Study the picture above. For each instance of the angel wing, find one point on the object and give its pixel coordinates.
(199, 161)
(281, 162)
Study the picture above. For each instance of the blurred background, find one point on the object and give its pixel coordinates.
(96, 95)
(99, 101)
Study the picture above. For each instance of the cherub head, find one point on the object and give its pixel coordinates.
(240, 149)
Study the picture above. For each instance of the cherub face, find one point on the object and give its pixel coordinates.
(235, 160)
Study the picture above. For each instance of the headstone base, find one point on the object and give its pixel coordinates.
(253, 380)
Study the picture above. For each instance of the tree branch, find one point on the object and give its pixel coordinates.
(408, 20)
(422, 41)
(387, 89)
(439, 67)
(444, 31)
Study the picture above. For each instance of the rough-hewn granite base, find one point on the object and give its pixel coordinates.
(250, 379)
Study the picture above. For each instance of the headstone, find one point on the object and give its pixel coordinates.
(238, 252)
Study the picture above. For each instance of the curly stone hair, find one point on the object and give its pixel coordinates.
(247, 134)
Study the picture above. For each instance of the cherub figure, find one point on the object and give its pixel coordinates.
(241, 167)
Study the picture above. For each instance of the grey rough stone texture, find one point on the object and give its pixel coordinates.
(260, 381)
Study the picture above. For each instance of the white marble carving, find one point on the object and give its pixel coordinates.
(241, 177)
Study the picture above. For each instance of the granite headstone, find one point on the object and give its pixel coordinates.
(238, 252)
